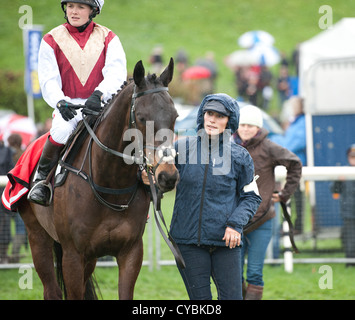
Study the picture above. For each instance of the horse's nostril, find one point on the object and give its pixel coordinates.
(167, 181)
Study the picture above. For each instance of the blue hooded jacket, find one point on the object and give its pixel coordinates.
(213, 173)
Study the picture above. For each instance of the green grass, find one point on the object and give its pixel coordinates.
(166, 283)
(196, 26)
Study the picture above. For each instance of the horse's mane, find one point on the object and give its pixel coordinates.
(153, 78)
(125, 84)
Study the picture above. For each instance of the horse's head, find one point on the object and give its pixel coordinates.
(155, 116)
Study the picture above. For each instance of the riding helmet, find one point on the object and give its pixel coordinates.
(95, 4)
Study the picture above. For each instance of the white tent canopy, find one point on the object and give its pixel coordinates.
(333, 43)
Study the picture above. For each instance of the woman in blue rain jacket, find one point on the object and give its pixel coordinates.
(215, 198)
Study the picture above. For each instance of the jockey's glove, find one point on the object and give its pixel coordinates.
(93, 103)
(66, 109)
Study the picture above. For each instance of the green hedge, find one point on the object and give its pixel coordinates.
(13, 96)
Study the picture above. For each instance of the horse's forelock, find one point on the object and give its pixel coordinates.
(153, 78)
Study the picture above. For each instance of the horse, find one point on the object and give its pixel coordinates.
(102, 207)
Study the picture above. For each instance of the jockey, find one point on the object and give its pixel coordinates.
(80, 62)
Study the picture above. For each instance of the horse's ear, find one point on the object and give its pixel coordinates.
(167, 74)
(138, 74)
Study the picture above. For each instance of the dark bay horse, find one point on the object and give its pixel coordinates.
(108, 216)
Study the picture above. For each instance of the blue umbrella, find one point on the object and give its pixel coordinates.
(251, 38)
(265, 55)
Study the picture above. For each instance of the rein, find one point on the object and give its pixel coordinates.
(156, 199)
(290, 232)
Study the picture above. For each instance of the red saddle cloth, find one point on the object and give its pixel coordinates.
(19, 177)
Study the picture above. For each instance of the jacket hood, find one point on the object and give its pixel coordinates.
(230, 103)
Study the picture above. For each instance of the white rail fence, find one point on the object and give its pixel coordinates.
(153, 254)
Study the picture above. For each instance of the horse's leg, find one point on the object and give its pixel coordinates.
(90, 293)
(73, 274)
(42, 253)
(129, 264)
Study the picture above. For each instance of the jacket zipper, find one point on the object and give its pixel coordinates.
(201, 204)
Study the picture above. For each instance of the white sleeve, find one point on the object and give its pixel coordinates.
(49, 76)
(115, 69)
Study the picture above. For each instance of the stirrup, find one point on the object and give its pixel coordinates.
(47, 185)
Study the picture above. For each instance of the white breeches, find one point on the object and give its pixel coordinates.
(61, 129)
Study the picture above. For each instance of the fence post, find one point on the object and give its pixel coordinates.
(288, 255)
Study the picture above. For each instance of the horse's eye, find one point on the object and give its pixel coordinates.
(141, 118)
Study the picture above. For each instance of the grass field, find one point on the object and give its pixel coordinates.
(166, 284)
(196, 26)
(304, 283)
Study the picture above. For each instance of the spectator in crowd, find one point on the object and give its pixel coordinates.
(345, 191)
(295, 141)
(283, 85)
(20, 237)
(15, 142)
(266, 155)
(296, 58)
(156, 59)
(252, 90)
(215, 198)
(45, 127)
(181, 61)
(209, 62)
(265, 91)
(6, 164)
(241, 77)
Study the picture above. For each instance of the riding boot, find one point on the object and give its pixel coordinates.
(254, 292)
(41, 192)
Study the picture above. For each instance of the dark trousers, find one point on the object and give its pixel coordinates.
(220, 263)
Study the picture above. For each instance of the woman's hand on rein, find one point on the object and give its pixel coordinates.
(145, 178)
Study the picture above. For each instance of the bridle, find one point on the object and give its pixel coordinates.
(166, 154)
